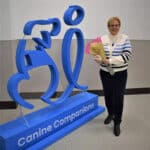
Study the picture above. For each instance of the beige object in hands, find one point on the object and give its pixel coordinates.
(96, 48)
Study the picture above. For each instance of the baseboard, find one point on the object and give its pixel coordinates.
(36, 95)
(131, 91)
(8, 105)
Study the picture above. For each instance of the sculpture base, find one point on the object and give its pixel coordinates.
(49, 124)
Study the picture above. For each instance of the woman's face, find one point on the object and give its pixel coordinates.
(114, 27)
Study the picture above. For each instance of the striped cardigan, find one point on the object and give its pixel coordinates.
(118, 50)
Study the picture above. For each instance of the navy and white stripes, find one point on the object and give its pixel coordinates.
(119, 51)
(126, 55)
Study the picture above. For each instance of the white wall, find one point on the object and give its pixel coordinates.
(15, 13)
(5, 20)
(133, 13)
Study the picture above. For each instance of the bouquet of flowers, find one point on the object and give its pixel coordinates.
(95, 47)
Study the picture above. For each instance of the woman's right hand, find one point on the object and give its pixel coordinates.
(98, 59)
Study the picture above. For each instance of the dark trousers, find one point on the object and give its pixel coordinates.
(114, 90)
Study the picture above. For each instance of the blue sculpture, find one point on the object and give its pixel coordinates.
(39, 57)
(49, 124)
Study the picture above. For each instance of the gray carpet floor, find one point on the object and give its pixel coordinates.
(135, 128)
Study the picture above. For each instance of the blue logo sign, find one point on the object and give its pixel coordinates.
(29, 59)
(53, 122)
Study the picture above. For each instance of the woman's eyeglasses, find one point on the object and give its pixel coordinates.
(114, 25)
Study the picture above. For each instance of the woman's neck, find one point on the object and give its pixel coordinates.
(113, 38)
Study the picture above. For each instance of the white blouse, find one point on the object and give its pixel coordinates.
(118, 50)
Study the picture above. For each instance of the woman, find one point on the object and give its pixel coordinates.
(113, 71)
